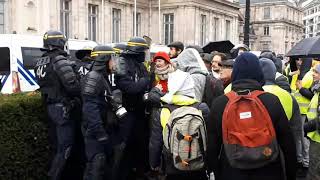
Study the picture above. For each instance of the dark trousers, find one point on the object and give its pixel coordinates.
(135, 154)
(64, 127)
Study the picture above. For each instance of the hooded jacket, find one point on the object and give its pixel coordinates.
(179, 83)
(269, 71)
(190, 61)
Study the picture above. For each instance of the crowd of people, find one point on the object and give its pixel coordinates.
(185, 114)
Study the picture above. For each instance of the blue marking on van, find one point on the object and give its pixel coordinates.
(26, 70)
(4, 80)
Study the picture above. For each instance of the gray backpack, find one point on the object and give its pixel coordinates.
(184, 136)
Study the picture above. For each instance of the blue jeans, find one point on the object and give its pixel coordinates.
(303, 147)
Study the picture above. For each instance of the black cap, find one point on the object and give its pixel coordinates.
(227, 63)
(177, 45)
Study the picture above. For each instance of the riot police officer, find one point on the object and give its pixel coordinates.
(133, 80)
(84, 65)
(59, 88)
(118, 50)
(101, 105)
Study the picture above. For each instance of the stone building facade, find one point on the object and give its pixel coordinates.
(311, 18)
(192, 22)
(275, 25)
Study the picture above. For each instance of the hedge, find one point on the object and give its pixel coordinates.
(24, 148)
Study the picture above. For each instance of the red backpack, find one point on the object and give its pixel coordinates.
(249, 137)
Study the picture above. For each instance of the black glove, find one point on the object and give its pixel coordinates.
(153, 97)
(311, 126)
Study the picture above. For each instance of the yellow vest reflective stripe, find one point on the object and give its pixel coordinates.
(312, 114)
(284, 97)
(228, 89)
(303, 101)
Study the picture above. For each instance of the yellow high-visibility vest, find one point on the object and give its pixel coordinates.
(303, 101)
(284, 97)
(312, 115)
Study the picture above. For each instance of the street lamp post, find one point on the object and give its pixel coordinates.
(135, 18)
(246, 39)
(159, 13)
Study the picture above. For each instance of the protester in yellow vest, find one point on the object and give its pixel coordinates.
(313, 127)
(289, 104)
(300, 90)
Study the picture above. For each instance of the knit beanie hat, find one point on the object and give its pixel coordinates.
(269, 70)
(162, 55)
(247, 66)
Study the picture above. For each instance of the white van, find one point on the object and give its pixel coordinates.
(17, 58)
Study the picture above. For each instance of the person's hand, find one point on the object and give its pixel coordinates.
(294, 73)
(159, 86)
(298, 84)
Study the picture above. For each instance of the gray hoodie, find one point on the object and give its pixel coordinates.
(190, 61)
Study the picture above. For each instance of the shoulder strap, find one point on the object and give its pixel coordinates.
(257, 93)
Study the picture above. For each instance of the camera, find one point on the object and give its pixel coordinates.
(120, 111)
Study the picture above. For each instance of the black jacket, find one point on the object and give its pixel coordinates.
(217, 160)
(133, 81)
(213, 89)
(282, 81)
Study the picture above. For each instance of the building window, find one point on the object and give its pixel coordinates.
(116, 19)
(228, 30)
(286, 47)
(266, 31)
(92, 21)
(203, 29)
(216, 29)
(1, 17)
(292, 44)
(138, 24)
(266, 13)
(168, 28)
(65, 17)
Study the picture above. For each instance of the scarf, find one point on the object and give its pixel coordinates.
(162, 73)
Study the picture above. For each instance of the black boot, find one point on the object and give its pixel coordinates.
(95, 169)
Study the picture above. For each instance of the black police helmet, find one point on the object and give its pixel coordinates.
(137, 45)
(54, 38)
(101, 54)
(81, 53)
(119, 48)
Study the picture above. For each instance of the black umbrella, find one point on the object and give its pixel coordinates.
(220, 46)
(309, 47)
